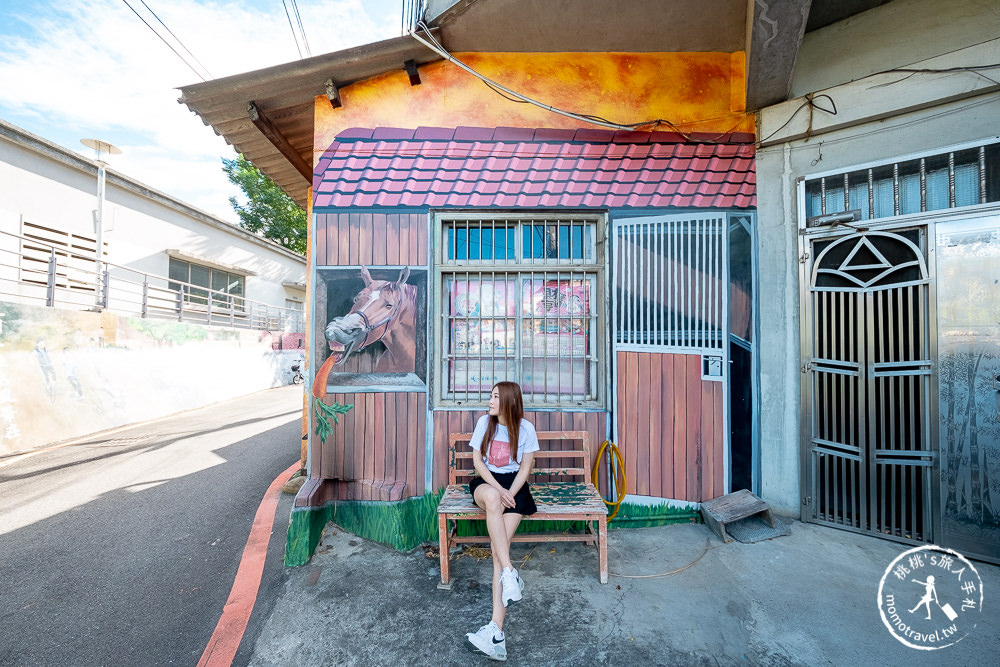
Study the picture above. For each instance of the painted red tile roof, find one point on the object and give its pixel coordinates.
(534, 168)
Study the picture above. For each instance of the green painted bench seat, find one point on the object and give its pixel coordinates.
(563, 500)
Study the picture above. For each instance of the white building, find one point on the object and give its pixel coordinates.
(183, 309)
(50, 191)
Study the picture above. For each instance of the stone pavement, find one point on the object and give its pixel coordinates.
(805, 599)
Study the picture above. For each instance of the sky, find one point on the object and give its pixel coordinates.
(75, 69)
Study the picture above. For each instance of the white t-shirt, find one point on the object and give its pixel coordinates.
(498, 452)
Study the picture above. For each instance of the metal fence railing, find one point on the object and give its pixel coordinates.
(35, 272)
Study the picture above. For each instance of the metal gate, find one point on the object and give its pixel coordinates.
(868, 455)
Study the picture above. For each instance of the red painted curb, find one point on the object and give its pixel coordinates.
(221, 648)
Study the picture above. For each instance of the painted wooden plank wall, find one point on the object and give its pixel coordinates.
(371, 239)
(377, 450)
(447, 422)
(670, 426)
(740, 311)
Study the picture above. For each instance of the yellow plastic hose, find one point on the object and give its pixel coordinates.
(621, 485)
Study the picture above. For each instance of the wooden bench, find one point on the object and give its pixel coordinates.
(556, 501)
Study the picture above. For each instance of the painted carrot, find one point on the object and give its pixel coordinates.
(324, 412)
(319, 384)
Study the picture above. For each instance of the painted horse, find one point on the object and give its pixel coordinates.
(383, 312)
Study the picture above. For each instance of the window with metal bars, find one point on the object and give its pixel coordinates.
(670, 282)
(520, 300)
(227, 288)
(933, 182)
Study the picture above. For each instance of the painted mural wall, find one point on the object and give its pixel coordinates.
(697, 92)
(65, 374)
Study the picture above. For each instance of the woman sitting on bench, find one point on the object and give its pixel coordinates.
(503, 446)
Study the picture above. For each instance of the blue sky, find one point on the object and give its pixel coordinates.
(73, 69)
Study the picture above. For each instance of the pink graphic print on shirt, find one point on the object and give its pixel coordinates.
(499, 455)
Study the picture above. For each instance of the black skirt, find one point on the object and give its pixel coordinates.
(523, 502)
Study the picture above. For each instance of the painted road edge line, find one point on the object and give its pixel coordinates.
(225, 641)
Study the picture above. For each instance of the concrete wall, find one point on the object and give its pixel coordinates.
(47, 184)
(65, 374)
(911, 114)
(896, 34)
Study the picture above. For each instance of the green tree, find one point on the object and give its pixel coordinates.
(268, 212)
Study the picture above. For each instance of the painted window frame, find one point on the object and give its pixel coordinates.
(579, 322)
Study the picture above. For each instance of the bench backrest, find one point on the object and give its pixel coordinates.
(548, 461)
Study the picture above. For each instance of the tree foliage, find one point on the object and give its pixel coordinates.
(268, 211)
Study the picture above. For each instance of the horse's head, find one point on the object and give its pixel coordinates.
(370, 317)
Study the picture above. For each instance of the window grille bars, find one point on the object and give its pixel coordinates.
(669, 281)
(946, 180)
(520, 301)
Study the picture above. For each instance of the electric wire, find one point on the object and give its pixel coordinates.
(183, 46)
(176, 52)
(290, 25)
(911, 71)
(298, 30)
(880, 128)
(302, 29)
(434, 45)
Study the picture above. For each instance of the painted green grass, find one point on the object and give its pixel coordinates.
(406, 524)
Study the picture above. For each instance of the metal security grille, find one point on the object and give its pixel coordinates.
(869, 455)
(670, 279)
(520, 300)
(929, 183)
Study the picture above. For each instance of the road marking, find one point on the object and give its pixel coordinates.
(222, 647)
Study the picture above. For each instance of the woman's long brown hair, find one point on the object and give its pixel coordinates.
(512, 410)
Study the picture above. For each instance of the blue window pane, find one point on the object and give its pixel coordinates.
(577, 242)
(475, 247)
(534, 241)
(859, 199)
(835, 200)
(499, 247)
(937, 189)
(909, 193)
(461, 244)
(883, 198)
(966, 184)
(563, 248)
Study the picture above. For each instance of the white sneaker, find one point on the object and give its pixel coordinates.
(511, 584)
(485, 640)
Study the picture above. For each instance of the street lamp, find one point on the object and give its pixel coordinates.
(103, 149)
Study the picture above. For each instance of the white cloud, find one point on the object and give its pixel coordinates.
(92, 69)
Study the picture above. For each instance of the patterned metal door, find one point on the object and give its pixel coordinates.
(869, 454)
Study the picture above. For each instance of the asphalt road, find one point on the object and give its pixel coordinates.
(122, 550)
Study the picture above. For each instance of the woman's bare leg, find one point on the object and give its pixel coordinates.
(511, 521)
(489, 499)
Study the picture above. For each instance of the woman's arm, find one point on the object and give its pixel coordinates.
(506, 497)
(527, 462)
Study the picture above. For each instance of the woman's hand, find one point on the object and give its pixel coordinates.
(506, 498)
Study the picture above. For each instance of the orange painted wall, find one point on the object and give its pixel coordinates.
(697, 92)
